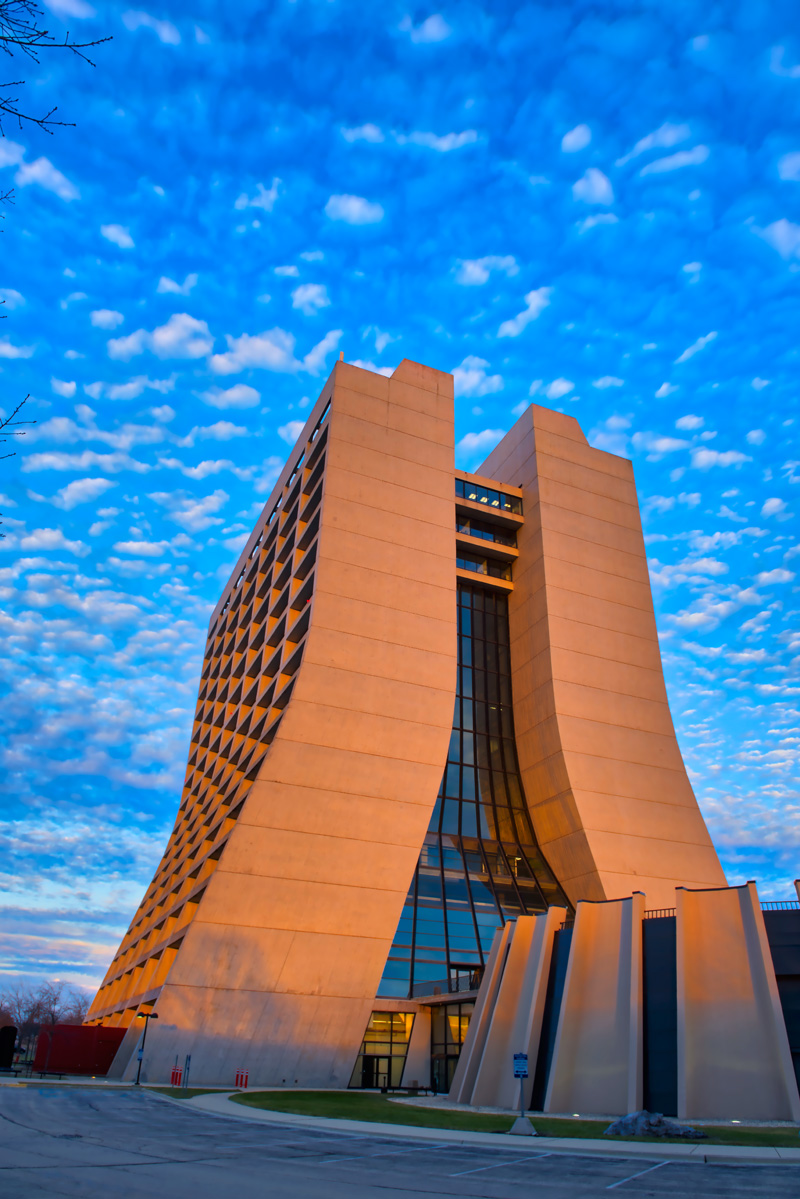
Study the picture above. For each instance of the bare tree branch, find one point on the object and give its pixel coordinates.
(22, 33)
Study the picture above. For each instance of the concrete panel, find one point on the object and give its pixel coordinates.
(516, 1023)
(417, 1070)
(597, 1059)
(733, 1053)
(278, 971)
(472, 1051)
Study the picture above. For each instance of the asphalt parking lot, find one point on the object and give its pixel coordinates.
(82, 1142)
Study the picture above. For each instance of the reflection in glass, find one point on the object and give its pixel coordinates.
(480, 863)
(383, 1051)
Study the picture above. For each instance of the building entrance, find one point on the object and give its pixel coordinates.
(375, 1071)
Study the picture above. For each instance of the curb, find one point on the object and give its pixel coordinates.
(219, 1104)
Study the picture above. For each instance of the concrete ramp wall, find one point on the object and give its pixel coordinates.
(597, 1061)
(733, 1051)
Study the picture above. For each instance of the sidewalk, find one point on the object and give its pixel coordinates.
(220, 1105)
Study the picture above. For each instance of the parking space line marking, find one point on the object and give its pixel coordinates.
(531, 1157)
(639, 1175)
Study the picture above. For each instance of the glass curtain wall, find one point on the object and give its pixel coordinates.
(480, 864)
(383, 1051)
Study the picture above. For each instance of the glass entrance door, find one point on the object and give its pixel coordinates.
(374, 1071)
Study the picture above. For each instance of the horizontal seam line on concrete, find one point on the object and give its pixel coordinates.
(559, 753)
(585, 653)
(547, 586)
(553, 504)
(550, 616)
(394, 512)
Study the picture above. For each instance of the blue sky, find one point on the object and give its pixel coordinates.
(595, 206)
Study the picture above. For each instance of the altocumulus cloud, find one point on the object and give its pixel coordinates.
(183, 336)
(353, 210)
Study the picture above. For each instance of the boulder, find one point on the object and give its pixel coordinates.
(651, 1124)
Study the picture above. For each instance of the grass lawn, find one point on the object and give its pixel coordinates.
(354, 1105)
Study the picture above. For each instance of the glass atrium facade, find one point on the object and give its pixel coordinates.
(480, 864)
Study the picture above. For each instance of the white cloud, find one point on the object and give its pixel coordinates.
(577, 139)
(264, 198)
(85, 460)
(287, 272)
(183, 336)
(45, 174)
(756, 436)
(433, 29)
(221, 430)
(656, 446)
(599, 218)
(10, 298)
(365, 365)
(608, 381)
(163, 413)
(535, 303)
(363, 133)
(471, 378)
(661, 139)
(474, 444)
(473, 272)
(666, 389)
(703, 458)
(689, 422)
(142, 549)
(169, 286)
(759, 384)
(310, 297)
(783, 236)
(238, 396)
(772, 506)
(71, 8)
(291, 431)
(80, 491)
(52, 539)
(119, 235)
(63, 388)
(789, 166)
(558, 388)
(696, 347)
(165, 31)
(272, 350)
(106, 318)
(353, 210)
(314, 360)
(8, 350)
(443, 144)
(10, 153)
(683, 158)
(593, 188)
(774, 576)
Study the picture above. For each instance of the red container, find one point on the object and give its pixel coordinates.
(241, 1078)
(176, 1076)
(77, 1049)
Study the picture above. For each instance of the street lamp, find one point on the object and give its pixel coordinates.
(146, 1016)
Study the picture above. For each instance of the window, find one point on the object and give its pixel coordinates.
(480, 863)
(487, 495)
(382, 1056)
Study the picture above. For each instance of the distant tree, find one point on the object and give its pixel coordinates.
(31, 1008)
(22, 33)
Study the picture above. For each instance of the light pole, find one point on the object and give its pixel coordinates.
(146, 1016)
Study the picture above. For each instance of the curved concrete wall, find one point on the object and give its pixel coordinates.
(278, 970)
(611, 804)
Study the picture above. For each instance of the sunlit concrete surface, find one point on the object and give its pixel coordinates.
(94, 1142)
